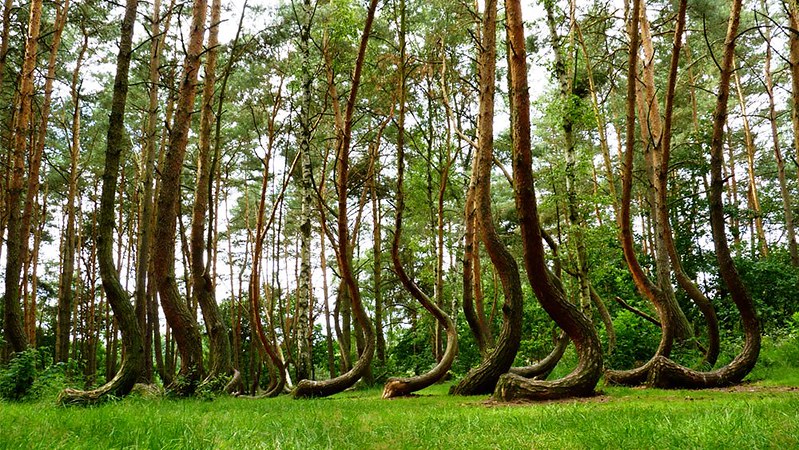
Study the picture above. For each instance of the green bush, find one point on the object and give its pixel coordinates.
(17, 379)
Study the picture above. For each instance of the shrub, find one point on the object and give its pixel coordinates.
(18, 378)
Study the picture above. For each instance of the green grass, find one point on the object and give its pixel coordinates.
(623, 418)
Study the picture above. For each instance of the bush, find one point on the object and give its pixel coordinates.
(18, 378)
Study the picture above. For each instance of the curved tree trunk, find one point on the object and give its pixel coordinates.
(132, 342)
(666, 373)
(582, 380)
(310, 388)
(541, 369)
(685, 282)
(403, 386)
(220, 364)
(185, 329)
(483, 378)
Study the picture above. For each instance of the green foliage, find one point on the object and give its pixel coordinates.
(773, 284)
(17, 379)
(636, 340)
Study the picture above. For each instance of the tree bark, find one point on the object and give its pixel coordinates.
(185, 330)
(582, 380)
(395, 387)
(665, 373)
(133, 354)
(308, 388)
(482, 379)
(203, 284)
(14, 332)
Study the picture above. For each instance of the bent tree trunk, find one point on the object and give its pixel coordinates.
(310, 388)
(203, 285)
(642, 282)
(482, 379)
(132, 342)
(582, 380)
(666, 373)
(403, 386)
(184, 327)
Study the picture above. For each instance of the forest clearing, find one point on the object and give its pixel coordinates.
(340, 223)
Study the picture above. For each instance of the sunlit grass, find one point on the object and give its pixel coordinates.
(760, 417)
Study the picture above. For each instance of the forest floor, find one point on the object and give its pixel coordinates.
(752, 415)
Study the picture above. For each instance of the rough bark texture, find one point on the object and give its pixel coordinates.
(582, 380)
(119, 300)
(309, 388)
(185, 330)
(483, 379)
(666, 373)
(12, 317)
(304, 294)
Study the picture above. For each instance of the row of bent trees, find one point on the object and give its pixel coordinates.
(494, 375)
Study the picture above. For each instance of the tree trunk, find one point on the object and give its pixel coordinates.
(66, 295)
(185, 330)
(304, 294)
(14, 332)
(582, 380)
(752, 194)
(665, 373)
(308, 388)
(395, 387)
(483, 379)
(787, 207)
(133, 354)
(203, 284)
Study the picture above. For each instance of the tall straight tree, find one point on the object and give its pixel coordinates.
(65, 295)
(185, 329)
(304, 294)
(119, 300)
(14, 332)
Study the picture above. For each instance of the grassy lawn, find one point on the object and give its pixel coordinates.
(751, 416)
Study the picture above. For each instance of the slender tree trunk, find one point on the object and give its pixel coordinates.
(404, 386)
(203, 284)
(118, 299)
(753, 197)
(787, 206)
(666, 373)
(331, 362)
(65, 297)
(304, 294)
(308, 388)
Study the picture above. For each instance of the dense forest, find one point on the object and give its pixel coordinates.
(303, 196)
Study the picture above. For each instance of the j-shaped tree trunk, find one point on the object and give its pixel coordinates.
(309, 388)
(582, 380)
(185, 330)
(119, 300)
(483, 378)
(404, 386)
(203, 285)
(666, 373)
